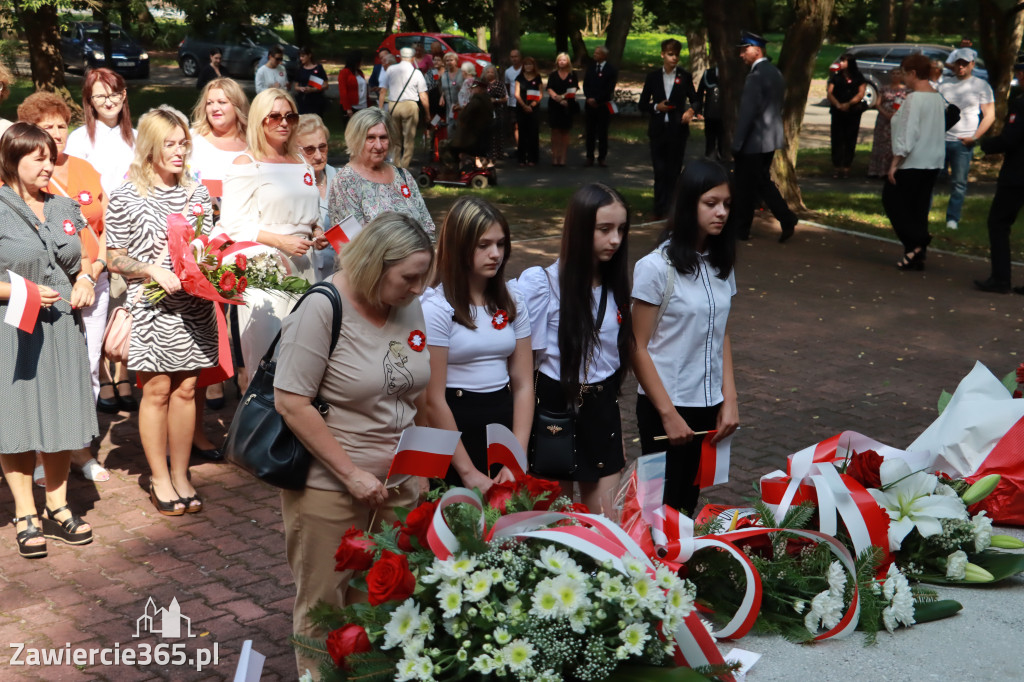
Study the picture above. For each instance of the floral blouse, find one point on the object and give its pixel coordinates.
(352, 194)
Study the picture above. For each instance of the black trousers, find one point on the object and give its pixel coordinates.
(906, 205)
(668, 146)
(844, 129)
(681, 461)
(597, 130)
(529, 136)
(1002, 214)
(753, 183)
(473, 412)
(714, 138)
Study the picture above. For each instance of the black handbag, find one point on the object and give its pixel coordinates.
(552, 451)
(259, 441)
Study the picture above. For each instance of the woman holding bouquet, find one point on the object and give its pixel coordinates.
(683, 358)
(478, 333)
(373, 383)
(175, 338)
(270, 197)
(582, 336)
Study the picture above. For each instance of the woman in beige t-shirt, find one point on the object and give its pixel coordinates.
(374, 383)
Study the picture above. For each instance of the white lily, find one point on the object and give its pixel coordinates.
(911, 502)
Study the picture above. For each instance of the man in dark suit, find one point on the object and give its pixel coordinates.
(758, 134)
(669, 97)
(1009, 198)
(599, 87)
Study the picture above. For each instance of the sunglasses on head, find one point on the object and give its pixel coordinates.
(274, 118)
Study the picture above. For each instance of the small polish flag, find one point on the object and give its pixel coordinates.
(570, 93)
(316, 82)
(714, 461)
(250, 664)
(23, 306)
(423, 451)
(503, 448)
(613, 108)
(343, 232)
(650, 485)
(533, 95)
(215, 188)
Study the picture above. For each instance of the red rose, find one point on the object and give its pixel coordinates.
(241, 261)
(1018, 394)
(355, 552)
(499, 494)
(345, 641)
(243, 284)
(537, 486)
(864, 468)
(227, 281)
(389, 579)
(416, 525)
(576, 508)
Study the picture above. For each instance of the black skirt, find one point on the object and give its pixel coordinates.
(599, 449)
(473, 412)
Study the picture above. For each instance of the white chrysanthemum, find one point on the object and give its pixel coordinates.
(518, 655)
(545, 599)
(477, 586)
(956, 565)
(462, 655)
(982, 531)
(450, 599)
(665, 577)
(710, 628)
(634, 567)
(836, 578)
(612, 587)
(514, 606)
(497, 575)
(306, 676)
(799, 605)
(404, 624)
(484, 664)
(424, 669)
(679, 600)
(556, 560)
(826, 611)
(405, 670)
(572, 594)
(645, 590)
(579, 621)
(634, 637)
(501, 636)
(901, 609)
(462, 566)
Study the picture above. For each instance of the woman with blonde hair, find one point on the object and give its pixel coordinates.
(562, 108)
(478, 332)
(173, 339)
(270, 197)
(373, 382)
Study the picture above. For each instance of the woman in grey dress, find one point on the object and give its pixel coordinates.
(43, 372)
(175, 338)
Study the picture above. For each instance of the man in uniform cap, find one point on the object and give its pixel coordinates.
(1009, 197)
(758, 134)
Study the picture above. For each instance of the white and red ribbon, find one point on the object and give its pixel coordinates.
(503, 448)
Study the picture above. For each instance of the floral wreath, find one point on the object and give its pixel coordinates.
(417, 340)
(500, 319)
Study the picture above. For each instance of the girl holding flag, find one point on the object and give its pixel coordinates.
(478, 333)
(310, 82)
(682, 293)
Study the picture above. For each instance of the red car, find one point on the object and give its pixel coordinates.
(467, 50)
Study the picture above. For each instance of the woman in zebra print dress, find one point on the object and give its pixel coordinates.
(175, 338)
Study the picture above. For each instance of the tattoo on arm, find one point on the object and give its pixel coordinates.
(126, 266)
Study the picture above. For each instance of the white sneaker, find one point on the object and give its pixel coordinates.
(951, 225)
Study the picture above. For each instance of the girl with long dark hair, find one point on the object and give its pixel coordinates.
(583, 338)
(683, 357)
(479, 337)
(846, 89)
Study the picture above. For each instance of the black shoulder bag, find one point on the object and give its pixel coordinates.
(259, 441)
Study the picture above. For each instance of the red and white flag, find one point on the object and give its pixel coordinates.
(423, 451)
(503, 448)
(316, 82)
(714, 461)
(613, 107)
(343, 232)
(23, 306)
(533, 95)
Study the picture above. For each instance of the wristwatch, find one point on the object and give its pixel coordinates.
(86, 276)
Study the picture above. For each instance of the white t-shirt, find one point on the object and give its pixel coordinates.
(687, 346)
(477, 358)
(267, 77)
(511, 74)
(108, 153)
(968, 94)
(544, 306)
(395, 79)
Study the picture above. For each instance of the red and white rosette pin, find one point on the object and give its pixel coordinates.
(618, 316)
(197, 209)
(84, 197)
(406, 192)
(69, 227)
(500, 319)
(308, 179)
(417, 340)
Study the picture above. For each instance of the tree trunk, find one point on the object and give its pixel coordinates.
(725, 21)
(697, 43)
(562, 25)
(578, 54)
(43, 38)
(902, 24)
(392, 16)
(618, 29)
(1001, 27)
(428, 16)
(505, 35)
(481, 38)
(886, 18)
(299, 9)
(796, 61)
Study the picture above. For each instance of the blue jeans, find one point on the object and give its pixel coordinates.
(958, 158)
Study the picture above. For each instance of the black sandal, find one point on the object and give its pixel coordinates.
(193, 505)
(165, 508)
(108, 405)
(67, 530)
(912, 261)
(127, 403)
(31, 532)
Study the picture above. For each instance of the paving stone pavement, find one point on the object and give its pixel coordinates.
(827, 336)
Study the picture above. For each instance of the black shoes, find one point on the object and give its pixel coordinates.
(211, 455)
(994, 286)
(108, 405)
(787, 232)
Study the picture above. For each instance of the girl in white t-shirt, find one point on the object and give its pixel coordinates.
(683, 358)
(478, 333)
(582, 336)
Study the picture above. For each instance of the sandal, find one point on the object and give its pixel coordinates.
(67, 530)
(94, 471)
(165, 508)
(31, 532)
(911, 261)
(126, 403)
(193, 505)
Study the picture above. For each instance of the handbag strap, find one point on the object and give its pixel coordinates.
(330, 291)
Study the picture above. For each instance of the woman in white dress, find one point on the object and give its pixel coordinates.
(270, 197)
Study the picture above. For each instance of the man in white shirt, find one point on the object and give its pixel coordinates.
(272, 74)
(977, 113)
(511, 74)
(401, 86)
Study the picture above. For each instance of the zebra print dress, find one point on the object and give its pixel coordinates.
(179, 333)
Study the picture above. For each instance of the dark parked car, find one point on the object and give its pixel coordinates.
(243, 48)
(877, 60)
(81, 46)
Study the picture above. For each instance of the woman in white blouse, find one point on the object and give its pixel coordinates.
(270, 197)
(310, 140)
(478, 333)
(582, 336)
(683, 358)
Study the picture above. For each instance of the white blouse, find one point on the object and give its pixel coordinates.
(477, 358)
(207, 162)
(687, 345)
(108, 153)
(919, 131)
(535, 286)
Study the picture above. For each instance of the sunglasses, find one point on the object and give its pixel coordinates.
(313, 149)
(274, 118)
